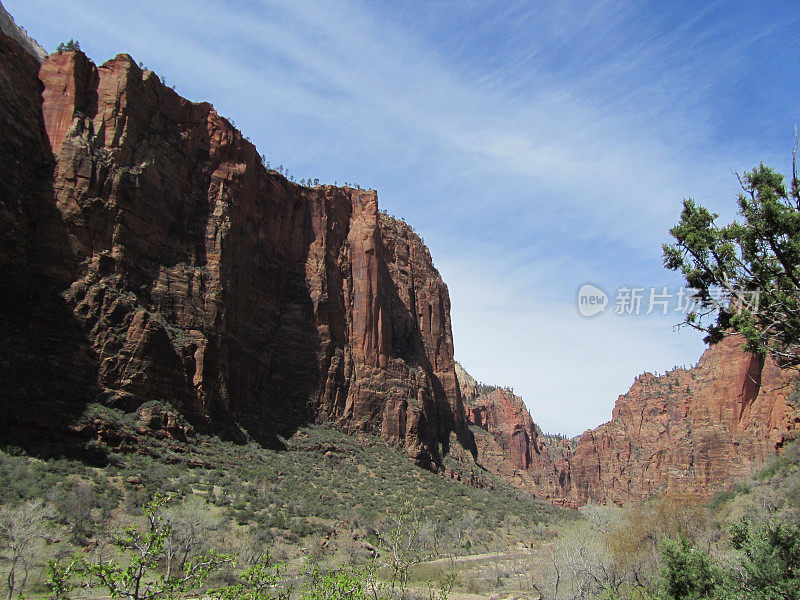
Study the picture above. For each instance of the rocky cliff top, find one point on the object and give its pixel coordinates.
(17, 33)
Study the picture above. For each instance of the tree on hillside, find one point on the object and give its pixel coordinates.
(70, 46)
(22, 529)
(189, 533)
(408, 540)
(746, 274)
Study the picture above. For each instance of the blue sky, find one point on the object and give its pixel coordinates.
(536, 146)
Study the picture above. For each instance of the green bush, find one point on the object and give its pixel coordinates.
(768, 566)
(720, 498)
(261, 581)
(687, 572)
(770, 561)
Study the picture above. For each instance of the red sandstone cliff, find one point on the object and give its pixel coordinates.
(197, 277)
(147, 254)
(689, 431)
(508, 442)
(510, 445)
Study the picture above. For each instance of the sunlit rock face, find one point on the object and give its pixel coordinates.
(688, 431)
(511, 445)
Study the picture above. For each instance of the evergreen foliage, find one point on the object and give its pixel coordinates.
(746, 274)
(70, 46)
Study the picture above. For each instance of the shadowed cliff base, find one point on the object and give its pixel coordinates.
(47, 373)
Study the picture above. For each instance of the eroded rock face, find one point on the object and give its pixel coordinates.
(688, 431)
(509, 443)
(200, 279)
(45, 369)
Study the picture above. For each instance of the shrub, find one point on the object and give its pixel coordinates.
(770, 561)
(261, 581)
(687, 572)
(719, 499)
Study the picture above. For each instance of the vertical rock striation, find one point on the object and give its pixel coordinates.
(201, 279)
(688, 431)
(511, 445)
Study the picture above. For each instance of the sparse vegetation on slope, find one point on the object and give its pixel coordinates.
(328, 496)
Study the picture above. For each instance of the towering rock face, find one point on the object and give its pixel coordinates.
(45, 373)
(511, 445)
(688, 431)
(199, 278)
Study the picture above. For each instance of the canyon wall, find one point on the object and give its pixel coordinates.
(689, 431)
(508, 442)
(194, 276)
(148, 255)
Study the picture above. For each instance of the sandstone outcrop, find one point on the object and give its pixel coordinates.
(688, 431)
(510, 444)
(198, 278)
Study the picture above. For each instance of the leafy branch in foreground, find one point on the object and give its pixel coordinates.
(746, 274)
(349, 583)
(262, 581)
(60, 578)
(137, 580)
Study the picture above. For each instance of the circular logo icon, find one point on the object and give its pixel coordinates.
(591, 300)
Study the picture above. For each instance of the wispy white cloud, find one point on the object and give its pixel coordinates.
(569, 369)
